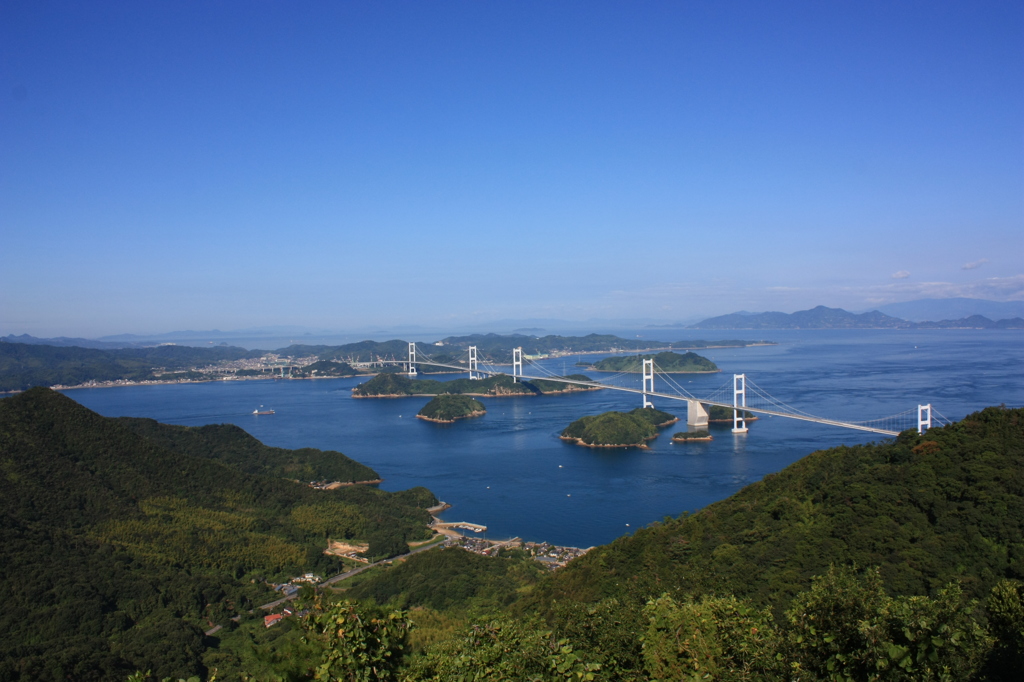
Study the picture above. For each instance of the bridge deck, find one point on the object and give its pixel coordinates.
(669, 396)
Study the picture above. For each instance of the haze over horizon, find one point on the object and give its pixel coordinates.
(169, 166)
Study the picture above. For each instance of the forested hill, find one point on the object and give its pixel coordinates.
(666, 361)
(231, 445)
(117, 552)
(948, 505)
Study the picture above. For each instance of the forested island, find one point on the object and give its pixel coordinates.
(691, 437)
(898, 560)
(446, 408)
(666, 361)
(719, 414)
(393, 385)
(618, 429)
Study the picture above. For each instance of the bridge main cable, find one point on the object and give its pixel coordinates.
(669, 396)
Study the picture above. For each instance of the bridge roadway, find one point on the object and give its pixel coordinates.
(669, 396)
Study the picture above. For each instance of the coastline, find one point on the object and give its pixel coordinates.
(474, 413)
(579, 441)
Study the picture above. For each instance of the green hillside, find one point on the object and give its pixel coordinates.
(231, 445)
(899, 560)
(666, 361)
(925, 509)
(117, 552)
(610, 429)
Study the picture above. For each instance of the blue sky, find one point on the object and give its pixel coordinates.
(172, 165)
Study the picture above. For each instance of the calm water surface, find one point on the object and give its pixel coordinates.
(509, 471)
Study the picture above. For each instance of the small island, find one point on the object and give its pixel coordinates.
(691, 437)
(667, 361)
(720, 415)
(446, 408)
(391, 385)
(618, 429)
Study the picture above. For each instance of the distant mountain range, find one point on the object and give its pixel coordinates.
(952, 309)
(822, 317)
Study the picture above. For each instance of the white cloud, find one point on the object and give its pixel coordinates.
(974, 264)
(902, 274)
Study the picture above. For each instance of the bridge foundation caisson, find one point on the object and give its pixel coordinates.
(517, 363)
(648, 381)
(412, 359)
(472, 363)
(739, 401)
(696, 415)
(924, 418)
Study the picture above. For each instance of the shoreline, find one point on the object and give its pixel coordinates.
(471, 415)
(702, 439)
(579, 441)
(342, 484)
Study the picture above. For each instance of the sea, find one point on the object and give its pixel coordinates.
(509, 471)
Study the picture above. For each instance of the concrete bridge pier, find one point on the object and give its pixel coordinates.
(696, 415)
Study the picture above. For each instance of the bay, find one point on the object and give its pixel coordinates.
(509, 471)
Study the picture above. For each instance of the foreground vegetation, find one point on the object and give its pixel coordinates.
(119, 546)
(899, 560)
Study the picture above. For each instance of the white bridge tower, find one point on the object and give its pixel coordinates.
(648, 381)
(412, 358)
(517, 363)
(924, 418)
(472, 363)
(739, 401)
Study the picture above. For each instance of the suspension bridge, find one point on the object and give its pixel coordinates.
(741, 395)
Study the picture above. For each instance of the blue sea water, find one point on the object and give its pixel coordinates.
(509, 471)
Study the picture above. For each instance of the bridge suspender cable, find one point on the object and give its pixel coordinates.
(926, 415)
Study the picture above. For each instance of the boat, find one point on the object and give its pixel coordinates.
(262, 411)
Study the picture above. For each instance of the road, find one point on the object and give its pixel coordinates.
(330, 581)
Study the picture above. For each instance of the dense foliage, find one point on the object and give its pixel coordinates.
(451, 579)
(666, 361)
(654, 417)
(231, 445)
(611, 429)
(717, 413)
(924, 509)
(449, 407)
(116, 552)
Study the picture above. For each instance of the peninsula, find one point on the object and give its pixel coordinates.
(666, 361)
(618, 429)
(446, 408)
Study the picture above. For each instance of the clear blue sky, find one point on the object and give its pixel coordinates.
(171, 165)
